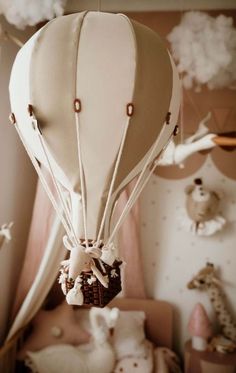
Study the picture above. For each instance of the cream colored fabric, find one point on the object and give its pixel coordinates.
(162, 142)
(107, 61)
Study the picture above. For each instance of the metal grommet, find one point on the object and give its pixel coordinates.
(30, 110)
(130, 109)
(168, 115)
(12, 118)
(176, 130)
(77, 105)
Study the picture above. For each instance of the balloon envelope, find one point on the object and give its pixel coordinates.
(107, 61)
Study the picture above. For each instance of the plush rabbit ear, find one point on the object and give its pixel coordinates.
(188, 189)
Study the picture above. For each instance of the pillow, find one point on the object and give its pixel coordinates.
(136, 364)
(58, 326)
(129, 335)
(55, 359)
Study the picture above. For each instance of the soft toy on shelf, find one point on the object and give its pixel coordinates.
(206, 280)
(202, 206)
(199, 327)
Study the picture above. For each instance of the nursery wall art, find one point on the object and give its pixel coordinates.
(28, 13)
(205, 47)
(202, 207)
(200, 141)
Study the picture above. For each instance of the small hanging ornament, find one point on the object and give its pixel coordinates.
(202, 204)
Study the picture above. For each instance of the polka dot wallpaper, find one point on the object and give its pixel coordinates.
(172, 256)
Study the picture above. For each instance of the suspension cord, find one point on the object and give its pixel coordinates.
(143, 183)
(77, 110)
(44, 183)
(129, 112)
(135, 192)
(60, 195)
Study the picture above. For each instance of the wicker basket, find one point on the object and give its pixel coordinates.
(95, 293)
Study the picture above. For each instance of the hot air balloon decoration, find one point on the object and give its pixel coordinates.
(95, 99)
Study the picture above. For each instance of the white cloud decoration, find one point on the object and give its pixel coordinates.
(205, 48)
(22, 13)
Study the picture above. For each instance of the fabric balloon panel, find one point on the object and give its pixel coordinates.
(123, 62)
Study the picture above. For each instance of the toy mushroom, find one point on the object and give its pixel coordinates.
(199, 327)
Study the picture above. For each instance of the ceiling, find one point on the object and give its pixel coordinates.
(148, 5)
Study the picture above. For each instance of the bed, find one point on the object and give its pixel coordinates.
(158, 330)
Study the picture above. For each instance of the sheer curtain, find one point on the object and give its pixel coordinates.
(44, 253)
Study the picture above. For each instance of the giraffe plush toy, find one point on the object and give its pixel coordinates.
(206, 280)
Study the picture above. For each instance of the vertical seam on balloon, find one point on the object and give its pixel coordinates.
(133, 91)
(136, 54)
(77, 51)
(117, 163)
(34, 50)
(31, 92)
(77, 124)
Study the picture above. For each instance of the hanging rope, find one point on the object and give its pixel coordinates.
(141, 182)
(99, 5)
(129, 112)
(182, 112)
(77, 109)
(43, 181)
(60, 195)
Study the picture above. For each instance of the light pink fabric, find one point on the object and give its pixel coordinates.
(129, 245)
(42, 219)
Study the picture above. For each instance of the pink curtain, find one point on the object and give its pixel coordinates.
(42, 219)
(129, 246)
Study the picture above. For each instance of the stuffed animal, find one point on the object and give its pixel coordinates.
(202, 207)
(93, 357)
